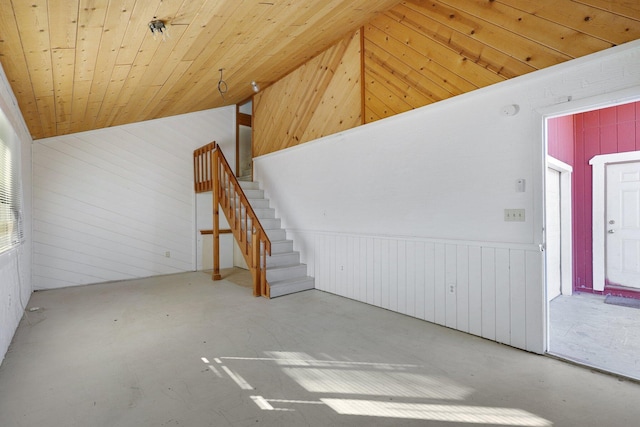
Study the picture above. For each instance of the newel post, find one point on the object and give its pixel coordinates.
(215, 177)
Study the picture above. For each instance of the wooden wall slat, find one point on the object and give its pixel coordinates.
(452, 37)
(462, 288)
(492, 292)
(490, 33)
(609, 26)
(422, 51)
(536, 30)
(628, 8)
(320, 98)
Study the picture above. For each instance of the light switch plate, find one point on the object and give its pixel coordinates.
(514, 215)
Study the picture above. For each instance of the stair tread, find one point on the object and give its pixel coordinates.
(282, 267)
(282, 254)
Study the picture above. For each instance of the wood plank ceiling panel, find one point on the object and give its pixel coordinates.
(14, 63)
(77, 65)
(115, 73)
(423, 51)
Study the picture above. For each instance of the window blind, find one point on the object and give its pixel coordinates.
(11, 232)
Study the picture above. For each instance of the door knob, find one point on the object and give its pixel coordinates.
(611, 231)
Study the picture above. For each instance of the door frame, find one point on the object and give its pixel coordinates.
(599, 223)
(565, 106)
(566, 224)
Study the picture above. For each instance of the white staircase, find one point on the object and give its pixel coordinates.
(285, 273)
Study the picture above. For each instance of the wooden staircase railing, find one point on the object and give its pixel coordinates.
(213, 173)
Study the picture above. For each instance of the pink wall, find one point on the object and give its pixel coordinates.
(610, 130)
(560, 138)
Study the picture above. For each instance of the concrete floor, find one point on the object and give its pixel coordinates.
(584, 329)
(182, 350)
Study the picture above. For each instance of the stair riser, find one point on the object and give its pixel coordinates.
(280, 260)
(276, 234)
(273, 234)
(274, 275)
(259, 203)
(281, 247)
(254, 194)
(249, 185)
(303, 285)
(262, 213)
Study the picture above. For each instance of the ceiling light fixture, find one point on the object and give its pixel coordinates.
(157, 26)
(222, 85)
(255, 86)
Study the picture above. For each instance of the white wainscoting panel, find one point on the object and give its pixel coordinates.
(487, 289)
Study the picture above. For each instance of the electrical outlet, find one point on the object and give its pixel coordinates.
(452, 288)
(167, 254)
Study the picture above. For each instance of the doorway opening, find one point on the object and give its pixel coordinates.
(244, 159)
(244, 140)
(593, 288)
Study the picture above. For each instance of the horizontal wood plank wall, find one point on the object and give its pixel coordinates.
(424, 51)
(109, 204)
(488, 290)
(320, 98)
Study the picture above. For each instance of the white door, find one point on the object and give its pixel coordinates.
(623, 224)
(553, 240)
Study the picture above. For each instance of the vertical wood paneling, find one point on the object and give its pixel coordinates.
(518, 298)
(320, 98)
(420, 287)
(475, 290)
(361, 290)
(535, 306)
(451, 287)
(439, 295)
(430, 282)
(402, 277)
(377, 275)
(462, 293)
(384, 272)
(488, 293)
(352, 266)
(410, 297)
(503, 306)
(370, 274)
(333, 284)
(604, 131)
(393, 275)
(493, 292)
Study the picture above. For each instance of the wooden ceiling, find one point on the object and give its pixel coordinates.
(77, 65)
(424, 51)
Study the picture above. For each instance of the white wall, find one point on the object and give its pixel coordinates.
(408, 213)
(15, 264)
(110, 203)
(204, 217)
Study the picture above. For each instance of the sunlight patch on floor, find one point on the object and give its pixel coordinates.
(434, 412)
